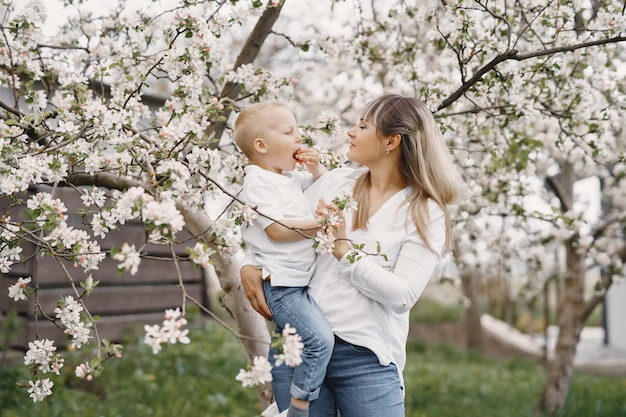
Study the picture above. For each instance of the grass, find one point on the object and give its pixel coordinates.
(445, 382)
(199, 380)
(183, 380)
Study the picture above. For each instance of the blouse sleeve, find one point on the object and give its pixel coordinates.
(401, 288)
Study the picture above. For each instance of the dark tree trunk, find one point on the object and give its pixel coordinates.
(472, 313)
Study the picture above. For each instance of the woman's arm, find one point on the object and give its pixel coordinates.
(252, 282)
(400, 289)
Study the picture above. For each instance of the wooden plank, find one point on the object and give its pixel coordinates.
(113, 328)
(151, 271)
(23, 269)
(132, 233)
(116, 300)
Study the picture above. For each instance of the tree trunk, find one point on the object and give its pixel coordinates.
(471, 319)
(474, 339)
(570, 318)
(570, 322)
(253, 333)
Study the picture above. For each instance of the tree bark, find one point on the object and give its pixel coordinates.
(570, 323)
(471, 319)
(570, 318)
(474, 339)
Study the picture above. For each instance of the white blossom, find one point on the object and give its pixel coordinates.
(17, 291)
(291, 345)
(41, 354)
(171, 331)
(128, 257)
(259, 373)
(40, 389)
(325, 242)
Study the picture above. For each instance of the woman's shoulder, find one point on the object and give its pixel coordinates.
(333, 183)
(344, 173)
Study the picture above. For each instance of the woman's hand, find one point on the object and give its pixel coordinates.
(252, 282)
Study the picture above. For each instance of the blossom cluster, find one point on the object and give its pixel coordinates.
(289, 345)
(49, 214)
(259, 373)
(171, 331)
(9, 245)
(324, 241)
(201, 254)
(41, 356)
(128, 257)
(68, 311)
(19, 290)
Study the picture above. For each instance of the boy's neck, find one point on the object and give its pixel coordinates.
(265, 166)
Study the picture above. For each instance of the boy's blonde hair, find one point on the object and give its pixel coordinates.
(250, 124)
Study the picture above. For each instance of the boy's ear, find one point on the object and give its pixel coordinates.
(393, 141)
(259, 145)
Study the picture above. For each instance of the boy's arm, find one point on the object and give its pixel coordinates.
(309, 157)
(282, 231)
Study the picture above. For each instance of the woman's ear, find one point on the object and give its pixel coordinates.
(259, 145)
(393, 141)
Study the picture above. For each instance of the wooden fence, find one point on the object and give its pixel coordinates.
(121, 302)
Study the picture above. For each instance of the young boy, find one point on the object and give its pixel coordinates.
(267, 134)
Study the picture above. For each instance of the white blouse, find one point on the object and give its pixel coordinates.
(367, 302)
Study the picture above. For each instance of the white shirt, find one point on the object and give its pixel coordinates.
(367, 302)
(279, 197)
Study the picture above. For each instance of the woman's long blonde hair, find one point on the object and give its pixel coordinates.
(426, 164)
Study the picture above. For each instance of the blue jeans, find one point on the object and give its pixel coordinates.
(293, 305)
(356, 385)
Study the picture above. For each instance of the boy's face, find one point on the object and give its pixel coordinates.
(281, 139)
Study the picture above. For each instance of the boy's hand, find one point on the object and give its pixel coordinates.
(307, 156)
(310, 158)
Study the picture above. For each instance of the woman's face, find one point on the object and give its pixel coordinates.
(365, 146)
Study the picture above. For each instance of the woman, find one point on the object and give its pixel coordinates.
(402, 222)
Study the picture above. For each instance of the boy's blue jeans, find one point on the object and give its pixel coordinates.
(356, 385)
(293, 305)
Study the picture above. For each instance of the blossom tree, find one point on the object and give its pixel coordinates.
(526, 93)
(530, 97)
(73, 117)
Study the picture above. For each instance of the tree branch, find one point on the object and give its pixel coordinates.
(104, 179)
(563, 185)
(515, 55)
(10, 109)
(248, 54)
